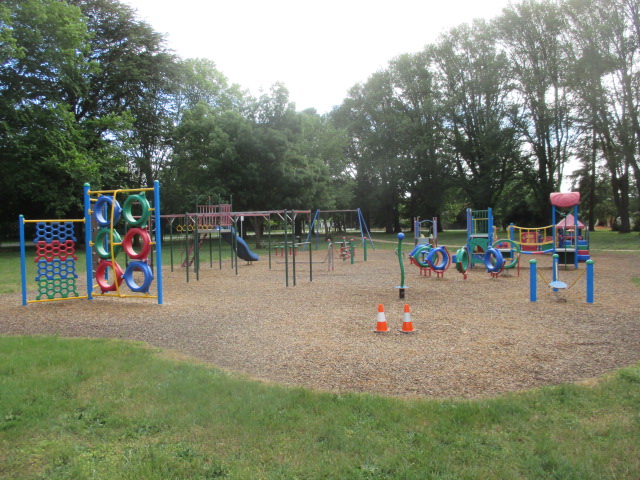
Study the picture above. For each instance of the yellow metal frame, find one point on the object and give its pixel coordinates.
(112, 245)
(57, 220)
(525, 230)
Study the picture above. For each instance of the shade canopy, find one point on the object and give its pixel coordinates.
(565, 200)
(569, 223)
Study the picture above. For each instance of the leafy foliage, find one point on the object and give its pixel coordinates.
(491, 114)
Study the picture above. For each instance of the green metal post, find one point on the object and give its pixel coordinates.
(310, 263)
(402, 286)
(286, 253)
(269, 230)
(171, 242)
(293, 260)
(352, 251)
(220, 247)
(186, 245)
(235, 243)
(196, 251)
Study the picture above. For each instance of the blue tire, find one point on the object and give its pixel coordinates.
(493, 260)
(128, 276)
(102, 209)
(445, 261)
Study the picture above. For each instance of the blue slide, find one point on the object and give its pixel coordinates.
(242, 249)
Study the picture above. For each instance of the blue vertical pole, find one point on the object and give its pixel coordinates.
(553, 228)
(366, 229)
(469, 232)
(489, 227)
(23, 260)
(575, 235)
(554, 270)
(156, 209)
(533, 286)
(434, 222)
(87, 241)
(589, 281)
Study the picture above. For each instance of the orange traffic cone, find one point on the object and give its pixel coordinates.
(407, 324)
(382, 326)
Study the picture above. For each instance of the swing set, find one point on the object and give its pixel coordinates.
(556, 285)
(337, 219)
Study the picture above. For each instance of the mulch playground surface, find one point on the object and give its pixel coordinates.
(478, 337)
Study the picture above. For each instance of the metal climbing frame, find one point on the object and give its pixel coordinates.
(364, 231)
(479, 233)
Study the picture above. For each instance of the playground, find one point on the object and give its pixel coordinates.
(475, 338)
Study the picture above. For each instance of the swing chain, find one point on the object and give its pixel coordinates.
(572, 283)
(542, 276)
(577, 278)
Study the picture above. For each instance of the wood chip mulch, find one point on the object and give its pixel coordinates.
(475, 338)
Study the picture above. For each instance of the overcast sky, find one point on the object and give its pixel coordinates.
(317, 49)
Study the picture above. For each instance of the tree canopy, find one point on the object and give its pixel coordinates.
(492, 114)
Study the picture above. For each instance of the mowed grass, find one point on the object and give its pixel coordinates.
(108, 409)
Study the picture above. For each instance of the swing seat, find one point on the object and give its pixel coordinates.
(558, 284)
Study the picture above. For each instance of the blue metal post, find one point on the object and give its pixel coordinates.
(434, 224)
(533, 286)
(87, 241)
(554, 270)
(23, 260)
(589, 281)
(364, 229)
(575, 235)
(553, 228)
(156, 209)
(469, 233)
(489, 227)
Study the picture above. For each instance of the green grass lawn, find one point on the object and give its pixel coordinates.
(107, 409)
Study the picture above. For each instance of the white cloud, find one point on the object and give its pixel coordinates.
(317, 49)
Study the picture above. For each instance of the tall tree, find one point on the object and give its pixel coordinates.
(372, 117)
(46, 153)
(134, 80)
(607, 66)
(532, 34)
(430, 170)
(474, 80)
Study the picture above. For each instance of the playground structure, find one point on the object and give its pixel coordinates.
(485, 248)
(431, 259)
(218, 223)
(481, 247)
(327, 215)
(556, 286)
(568, 237)
(345, 250)
(418, 229)
(56, 241)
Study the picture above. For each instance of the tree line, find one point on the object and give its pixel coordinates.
(490, 115)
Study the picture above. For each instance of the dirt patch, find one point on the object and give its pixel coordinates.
(476, 338)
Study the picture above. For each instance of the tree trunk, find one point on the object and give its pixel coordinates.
(258, 227)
